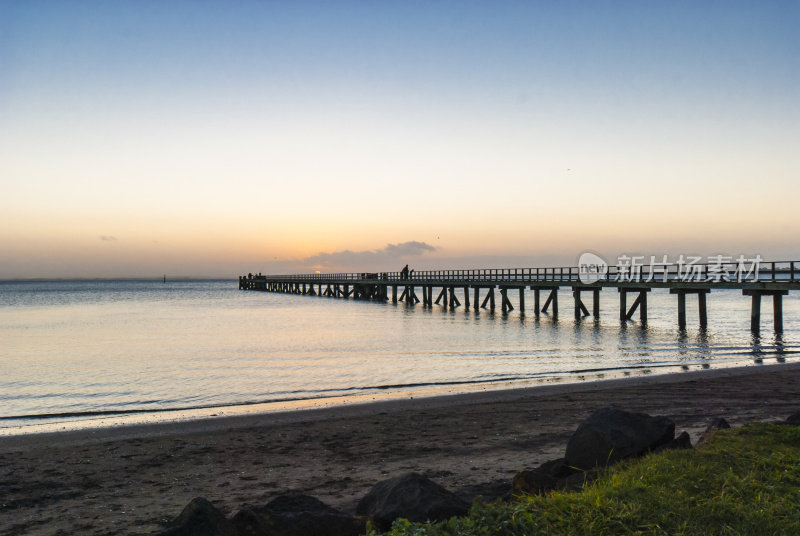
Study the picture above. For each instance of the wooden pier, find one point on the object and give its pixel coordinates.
(484, 288)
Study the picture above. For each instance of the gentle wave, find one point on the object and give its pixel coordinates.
(82, 350)
(340, 393)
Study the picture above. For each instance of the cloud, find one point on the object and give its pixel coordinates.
(412, 248)
(107, 238)
(370, 259)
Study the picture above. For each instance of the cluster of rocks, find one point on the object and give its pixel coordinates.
(411, 496)
(608, 436)
(284, 516)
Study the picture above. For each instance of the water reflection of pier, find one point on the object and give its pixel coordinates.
(484, 288)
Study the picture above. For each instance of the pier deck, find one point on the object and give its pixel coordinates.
(773, 278)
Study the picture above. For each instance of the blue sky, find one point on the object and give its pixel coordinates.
(207, 138)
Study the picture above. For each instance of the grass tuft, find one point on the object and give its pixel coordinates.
(742, 481)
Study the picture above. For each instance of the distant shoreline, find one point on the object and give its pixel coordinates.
(176, 279)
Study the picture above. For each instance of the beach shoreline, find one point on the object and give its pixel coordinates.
(132, 479)
(310, 410)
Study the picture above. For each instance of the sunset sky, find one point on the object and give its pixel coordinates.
(216, 138)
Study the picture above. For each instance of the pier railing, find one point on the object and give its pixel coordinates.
(662, 274)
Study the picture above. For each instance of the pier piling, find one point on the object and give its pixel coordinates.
(552, 299)
(639, 303)
(755, 308)
(580, 308)
(701, 305)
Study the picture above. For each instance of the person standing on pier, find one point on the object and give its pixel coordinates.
(404, 272)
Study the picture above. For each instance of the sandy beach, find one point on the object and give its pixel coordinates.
(131, 480)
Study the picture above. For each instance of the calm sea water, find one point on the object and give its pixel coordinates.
(78, 354)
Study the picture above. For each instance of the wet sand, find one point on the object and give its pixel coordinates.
(131, 480)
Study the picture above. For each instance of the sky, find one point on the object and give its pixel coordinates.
(141, 138)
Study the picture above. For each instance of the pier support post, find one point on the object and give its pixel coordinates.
(755, 313)
(580, 309)
(505, 303)
(394, 293)
(410, 295)
(522, 300)
(639, 303)
(701, 305)
(477, 296)
(442, 294)
(702, 309)
(642, 299)
(466, 297)
(552, 299)
(755, 310)
(623, 304)
(453, 300)
(550, 303)
(489, 299)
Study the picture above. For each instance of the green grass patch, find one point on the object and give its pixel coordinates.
(743, 481)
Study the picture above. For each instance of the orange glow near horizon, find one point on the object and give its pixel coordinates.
(204, 156)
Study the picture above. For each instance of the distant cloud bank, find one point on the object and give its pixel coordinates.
(379, 258)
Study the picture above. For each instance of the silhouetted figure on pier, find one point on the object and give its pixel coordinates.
(411, 274)
(404, 272)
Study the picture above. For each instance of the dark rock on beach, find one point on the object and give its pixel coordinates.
(200, 518)
(532, 482)
(717, 423)
(793, 419)
(486, 492)
(544, 478)
(682, 442)
(610, 435)
(552, 475)
(410, 496)
(297, 515)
